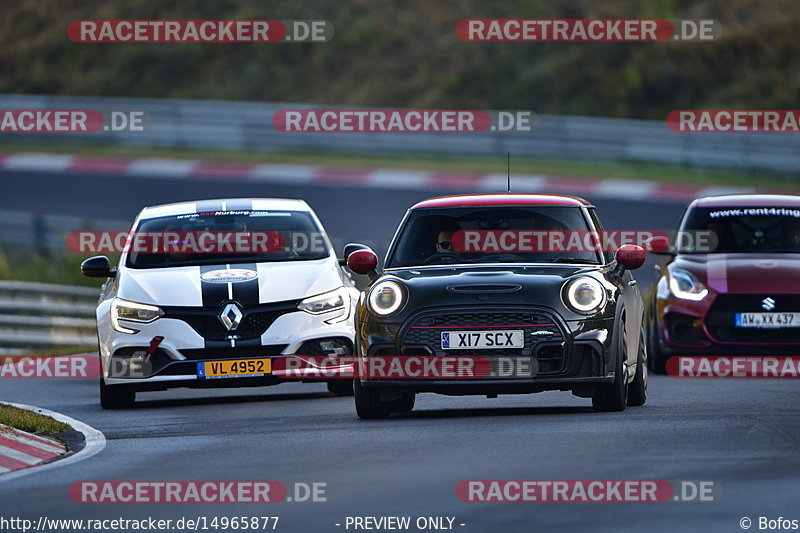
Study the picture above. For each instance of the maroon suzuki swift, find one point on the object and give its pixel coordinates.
(730, 281)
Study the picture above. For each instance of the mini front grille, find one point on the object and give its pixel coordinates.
(448, 319)
(543, 337)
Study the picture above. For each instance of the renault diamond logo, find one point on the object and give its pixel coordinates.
(231, 316)
(768, 304)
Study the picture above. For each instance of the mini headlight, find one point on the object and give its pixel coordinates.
(684, 284)
(134, 312)
(385, 298)
(336, 302)
(585, 295)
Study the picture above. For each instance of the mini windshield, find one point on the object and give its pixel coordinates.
(228, 237)
(744, 229)
(513, 234)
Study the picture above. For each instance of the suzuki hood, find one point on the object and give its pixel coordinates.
(745, 273)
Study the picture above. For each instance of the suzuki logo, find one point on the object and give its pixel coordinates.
(231, 316)
(768, 304)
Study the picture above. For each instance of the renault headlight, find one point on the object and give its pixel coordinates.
(133, 312)
(684, 284)
(336, 303)
(385, 298)
(585, 294)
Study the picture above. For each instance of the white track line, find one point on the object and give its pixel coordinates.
(38, 161)
(283, 173)
(95, 443)
(170, 168)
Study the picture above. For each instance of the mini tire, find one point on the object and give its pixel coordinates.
(611, 397)
(656, 358)
(368, 403)
(637, 390)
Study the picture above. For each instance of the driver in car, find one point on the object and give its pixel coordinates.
(444, 244)
(444, 241)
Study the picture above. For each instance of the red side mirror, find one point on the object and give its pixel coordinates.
(362, 261)
(658, 244)
(631, 256)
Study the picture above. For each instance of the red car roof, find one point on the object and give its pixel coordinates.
(756, 200)
(501, 199)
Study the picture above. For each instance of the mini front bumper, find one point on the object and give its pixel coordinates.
(575, 357)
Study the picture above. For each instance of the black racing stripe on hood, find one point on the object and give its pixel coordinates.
(214, 294)
(247, 292)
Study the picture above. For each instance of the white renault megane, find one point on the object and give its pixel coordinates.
(213, 293)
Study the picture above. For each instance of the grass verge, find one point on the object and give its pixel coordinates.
(30, 422)
(62, 268)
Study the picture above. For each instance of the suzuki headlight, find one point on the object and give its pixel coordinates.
(585, 295)
(133, 312)
(385, 298)
(684, 284)
(337, 303)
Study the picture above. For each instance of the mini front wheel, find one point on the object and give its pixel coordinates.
(369, 404)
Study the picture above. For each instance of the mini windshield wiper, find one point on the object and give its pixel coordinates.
(574, 260)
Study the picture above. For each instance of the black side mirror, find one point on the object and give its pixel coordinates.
(349, 248)
(97, 267)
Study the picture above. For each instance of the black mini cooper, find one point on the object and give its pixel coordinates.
(499, 294)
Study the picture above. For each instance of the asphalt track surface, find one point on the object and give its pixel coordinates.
(742, 434)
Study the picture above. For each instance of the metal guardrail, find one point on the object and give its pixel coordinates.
(231, 125)
(35, 316)
(44, 233)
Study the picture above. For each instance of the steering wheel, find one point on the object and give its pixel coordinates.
(436, 256)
